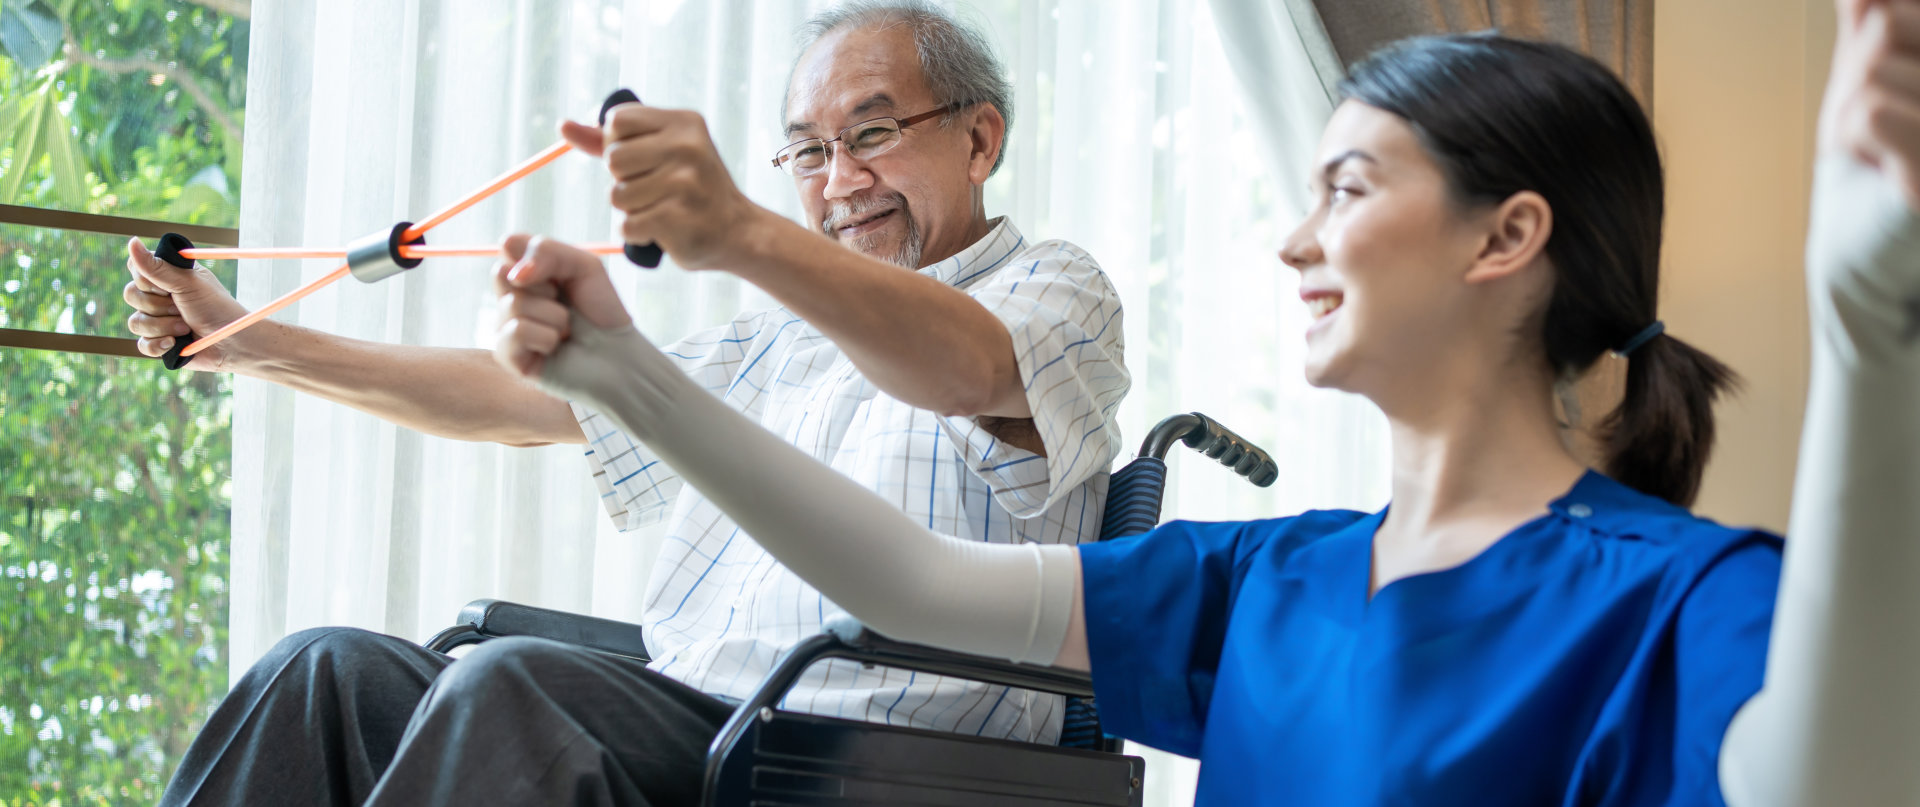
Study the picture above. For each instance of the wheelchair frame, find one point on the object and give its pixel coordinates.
(767, 756)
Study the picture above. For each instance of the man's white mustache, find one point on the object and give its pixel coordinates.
(845, 212)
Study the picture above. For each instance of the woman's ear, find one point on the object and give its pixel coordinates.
(986, 135)
(1517, 232)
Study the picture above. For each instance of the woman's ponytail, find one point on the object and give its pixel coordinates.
(1658, 440)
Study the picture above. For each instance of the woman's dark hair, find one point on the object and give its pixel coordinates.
(1503, 115)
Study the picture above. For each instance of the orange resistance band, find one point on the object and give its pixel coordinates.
(406, 251)
(499, 183)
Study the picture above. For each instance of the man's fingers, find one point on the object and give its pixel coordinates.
(635, 193)
(148, 302)
(156, 327)
(139, 263)
(638, 160)
(636, 120)
(639, 228)
(154, 348)
(587, 139)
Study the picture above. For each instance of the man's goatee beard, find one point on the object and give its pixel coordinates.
(907, 256)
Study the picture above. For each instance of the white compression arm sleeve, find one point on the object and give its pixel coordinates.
(1009, 601)
(1838, 721)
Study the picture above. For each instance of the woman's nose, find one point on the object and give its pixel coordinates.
(1301, 248)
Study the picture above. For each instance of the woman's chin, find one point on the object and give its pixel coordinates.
(1318, 374)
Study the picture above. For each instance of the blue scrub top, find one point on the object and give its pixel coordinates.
(1593, 656)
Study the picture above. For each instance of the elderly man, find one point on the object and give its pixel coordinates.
(976, 394)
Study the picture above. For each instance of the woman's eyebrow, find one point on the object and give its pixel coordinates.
(1332, 165)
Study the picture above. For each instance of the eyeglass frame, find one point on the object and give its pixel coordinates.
(832, 152)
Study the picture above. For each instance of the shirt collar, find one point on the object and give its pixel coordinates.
(992, 251)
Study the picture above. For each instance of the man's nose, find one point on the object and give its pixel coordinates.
(846, 175)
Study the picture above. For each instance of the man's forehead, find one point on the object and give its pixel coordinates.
(857, 72)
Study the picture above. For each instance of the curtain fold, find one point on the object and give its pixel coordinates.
(1132, 138)
(1264, 42)
(1617, 32)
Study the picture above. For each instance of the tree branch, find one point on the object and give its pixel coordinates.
(181, 77)
(237, 9)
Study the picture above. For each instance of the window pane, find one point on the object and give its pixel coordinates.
(69, 282)
(140, 117)
(114, 526)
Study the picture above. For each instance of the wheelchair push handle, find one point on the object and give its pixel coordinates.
(1207, 436)
(647, 255)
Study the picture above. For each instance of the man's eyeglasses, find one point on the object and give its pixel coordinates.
(864, 140)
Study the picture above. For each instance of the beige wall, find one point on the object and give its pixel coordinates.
(1736, 87)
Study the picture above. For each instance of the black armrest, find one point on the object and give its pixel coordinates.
(846, 638)
(496, 618)
(859, 642)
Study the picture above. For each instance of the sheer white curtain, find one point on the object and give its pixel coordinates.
(1133, 137)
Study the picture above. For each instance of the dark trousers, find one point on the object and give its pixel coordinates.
(338, 716)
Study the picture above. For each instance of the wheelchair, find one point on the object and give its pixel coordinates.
(765, 756)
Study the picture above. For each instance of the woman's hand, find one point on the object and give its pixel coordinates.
(1872, 106)
(543, 284)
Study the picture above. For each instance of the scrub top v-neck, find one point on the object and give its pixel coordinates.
(1594, 655)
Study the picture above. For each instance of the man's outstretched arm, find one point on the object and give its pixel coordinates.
(461, 394)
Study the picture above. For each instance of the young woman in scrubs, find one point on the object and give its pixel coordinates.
(1514, 629)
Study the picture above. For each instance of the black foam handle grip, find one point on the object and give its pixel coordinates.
(647, 255)
(169, 251)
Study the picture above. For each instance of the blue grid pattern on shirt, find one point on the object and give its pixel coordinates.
(720, 611)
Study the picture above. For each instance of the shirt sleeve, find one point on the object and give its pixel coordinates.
(635, 487)
(1064, 316)
(1720, 658)
(1156, 610)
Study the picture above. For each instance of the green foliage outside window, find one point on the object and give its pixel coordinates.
(114, 473)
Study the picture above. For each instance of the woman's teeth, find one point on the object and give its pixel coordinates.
(1322, 306)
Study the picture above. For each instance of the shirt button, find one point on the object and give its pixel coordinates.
(1579, 511)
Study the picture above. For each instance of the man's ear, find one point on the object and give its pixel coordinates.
(986, 136)
(1517, 233)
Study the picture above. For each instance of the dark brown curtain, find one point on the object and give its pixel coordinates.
(1617, 32)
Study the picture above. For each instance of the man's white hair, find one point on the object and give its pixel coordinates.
(956, 58)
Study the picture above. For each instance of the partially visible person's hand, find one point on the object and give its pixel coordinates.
(672, 185)
(169, 302)
(1872, 106)
(541, 284)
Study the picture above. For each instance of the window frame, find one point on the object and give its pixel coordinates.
(45, 219)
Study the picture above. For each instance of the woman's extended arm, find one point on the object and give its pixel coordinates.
(1838, 721)
(1014, 601)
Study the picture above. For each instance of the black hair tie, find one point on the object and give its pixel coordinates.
(1644, 336)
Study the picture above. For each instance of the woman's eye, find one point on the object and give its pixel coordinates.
(1341, 194)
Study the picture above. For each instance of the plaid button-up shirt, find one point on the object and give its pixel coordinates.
(720, 610)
